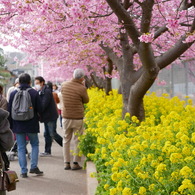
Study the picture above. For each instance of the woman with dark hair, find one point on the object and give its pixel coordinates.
(55, 95)
(55, 88)
(3, 101)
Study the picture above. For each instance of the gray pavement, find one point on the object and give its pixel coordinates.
(56, 181)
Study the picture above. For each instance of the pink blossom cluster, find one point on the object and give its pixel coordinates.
(147, 37)
(190, 38)
(64, 35)
(173, 24)
(161, 83)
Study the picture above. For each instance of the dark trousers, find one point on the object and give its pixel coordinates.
(49, 134)
(60, 120)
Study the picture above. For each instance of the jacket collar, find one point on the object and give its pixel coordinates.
(44, 88)
(24, 86)
(76, 81)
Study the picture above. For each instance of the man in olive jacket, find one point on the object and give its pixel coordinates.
(74, 96)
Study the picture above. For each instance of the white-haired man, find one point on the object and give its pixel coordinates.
(74, 95)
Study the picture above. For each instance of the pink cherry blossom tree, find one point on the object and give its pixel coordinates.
(136, 38)
(153, 33)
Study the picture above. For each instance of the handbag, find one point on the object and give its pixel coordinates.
(8, 178)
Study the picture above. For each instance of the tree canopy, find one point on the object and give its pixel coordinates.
(68, 34)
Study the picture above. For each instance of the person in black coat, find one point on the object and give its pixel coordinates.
(49, 115)
(29, 128)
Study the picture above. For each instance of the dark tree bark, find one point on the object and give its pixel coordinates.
(108, 80)
(93, 80)
(98, 82)
(88, 82)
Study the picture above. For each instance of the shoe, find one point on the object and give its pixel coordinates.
(67, 166)
(76, 167)
(36, 171)
(24, 175)
(44, 154)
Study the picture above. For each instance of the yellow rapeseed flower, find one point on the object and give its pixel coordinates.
(127, 191)
(186, 172)
(142, 190)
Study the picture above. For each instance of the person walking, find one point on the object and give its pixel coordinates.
(55, 88)
(74, 95)
(60, 107)
(49, 115)
(6, 140)
(13, 88)
(29, 126)
(55, 95)
(56, 99)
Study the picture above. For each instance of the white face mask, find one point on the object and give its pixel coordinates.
(37, 87)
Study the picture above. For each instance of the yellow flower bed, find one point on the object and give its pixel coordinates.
(155, 157)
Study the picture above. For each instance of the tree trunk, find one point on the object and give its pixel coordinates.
(88, 82)
(108, 84)
(137, 92)
(125, 89)
(98, 82)
(108, 87)
(134, 84)
(136, 107)
(120, 90)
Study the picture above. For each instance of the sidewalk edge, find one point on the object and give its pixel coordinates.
(91, 181)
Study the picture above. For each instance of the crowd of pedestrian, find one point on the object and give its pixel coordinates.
(28, 104)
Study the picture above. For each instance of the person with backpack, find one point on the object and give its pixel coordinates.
(25, 107)
(49, 115)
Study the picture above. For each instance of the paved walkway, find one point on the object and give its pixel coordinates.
(56, 181)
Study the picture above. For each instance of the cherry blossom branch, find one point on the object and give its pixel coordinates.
(61, 29)
(146, 15)
(94, 81)
(160, 31)
(101, 16)
(48, 47)
(127, 4)
(110, 53)
(193, 2)
(177, 50)
(126, 20)
(127, 51)
(3, 14)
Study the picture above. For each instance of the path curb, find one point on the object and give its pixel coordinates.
(92, 182)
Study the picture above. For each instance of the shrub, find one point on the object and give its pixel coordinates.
(154, 157)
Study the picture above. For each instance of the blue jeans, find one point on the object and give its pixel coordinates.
(21, 142)
(49, 134)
